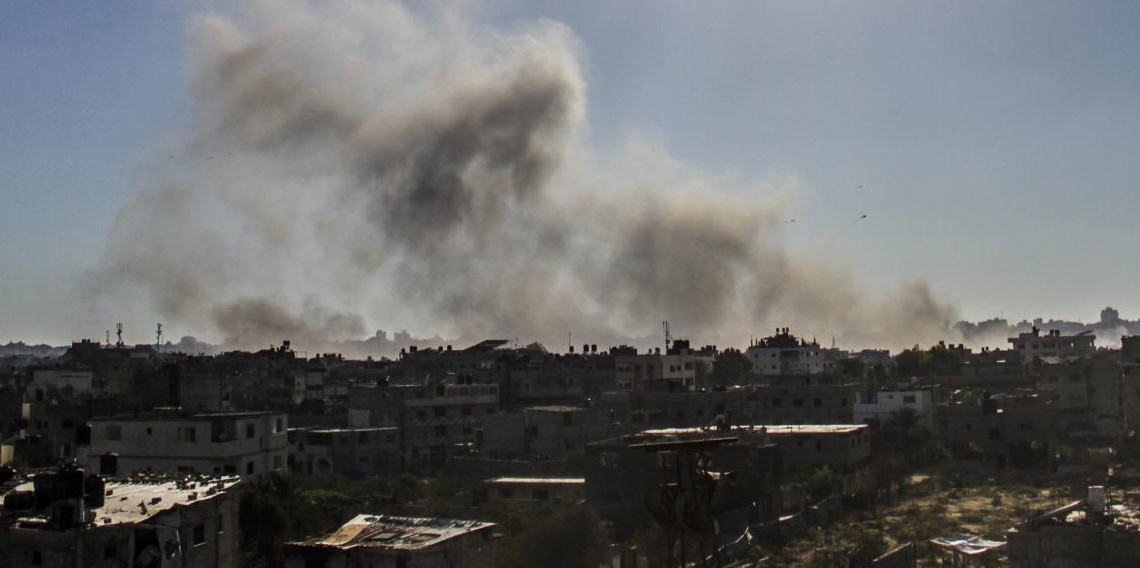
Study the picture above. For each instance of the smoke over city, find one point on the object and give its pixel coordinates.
(369, 164)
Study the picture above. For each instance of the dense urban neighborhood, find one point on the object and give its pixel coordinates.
(784, 453)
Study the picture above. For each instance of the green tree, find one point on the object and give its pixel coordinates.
(571, 539)
(730, 368)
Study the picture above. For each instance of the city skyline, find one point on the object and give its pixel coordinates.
(978, 140)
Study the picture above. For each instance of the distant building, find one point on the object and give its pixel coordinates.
(549, 431)
(398, 542)
(679, 369)
(785, 354)
(242, 443)
(883, 405)
(809, 399)
(841, 447)
(69, 520)
(1053, 347)
(436, 420)
(355, 452)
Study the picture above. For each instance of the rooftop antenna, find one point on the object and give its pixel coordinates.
(108, 342)
(665, 324)
(569, 341)
(119, 334)
(158, 338)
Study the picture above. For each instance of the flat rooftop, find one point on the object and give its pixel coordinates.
(395, 533)
(538, 480)
(770, 429)
(136, 501)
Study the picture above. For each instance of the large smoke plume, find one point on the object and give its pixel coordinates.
(360, 163)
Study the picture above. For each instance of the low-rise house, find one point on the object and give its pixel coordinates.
(398, 542)
(242, 443)
(68, 519)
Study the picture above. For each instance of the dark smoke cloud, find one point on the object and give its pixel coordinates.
(358, 160)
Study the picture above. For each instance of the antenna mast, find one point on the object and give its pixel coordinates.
(158, 338)
(108, 342)
(119, 334)
(668, 339)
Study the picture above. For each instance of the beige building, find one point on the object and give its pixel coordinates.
(66, 520)
(241, 443)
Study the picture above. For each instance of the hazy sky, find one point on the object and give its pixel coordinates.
(995, 141)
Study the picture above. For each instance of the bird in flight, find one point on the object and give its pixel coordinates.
(863, 216)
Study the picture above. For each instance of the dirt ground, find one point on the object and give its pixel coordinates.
(938, 501)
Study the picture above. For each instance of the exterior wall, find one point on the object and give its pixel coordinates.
(349, 451)
(44, 380)
(887, 402)
(118, 545)
(1033, 345)
(244, 444)
(840, 451)
(808, 399)
(636, 411)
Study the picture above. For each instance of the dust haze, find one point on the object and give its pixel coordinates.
(372, 164)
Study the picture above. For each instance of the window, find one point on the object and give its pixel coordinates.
(37, 557)
(250, 430)
(908, 399)
(278, 426)
(249, 468)
(276, 462)
(439, 411)
(149, 431)
(190, 434)
(817, 403)
(467, 411)
(843, 402)
(199, 534)
(113, 432)
(221, 524)
(777, 402)
(798, 402)
(567, 419)
(441, 431)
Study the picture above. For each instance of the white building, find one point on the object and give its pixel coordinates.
(785, 354)
(242, 443)
(885, 403)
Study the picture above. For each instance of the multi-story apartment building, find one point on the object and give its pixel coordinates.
(786, 354)
(435, 419)
(242, 443)
(1053, 347)
(809, 399)
(357, 452)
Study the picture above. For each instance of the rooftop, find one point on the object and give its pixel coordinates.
(395, 533)
(137, 500)
(772, 429)
(538, 480)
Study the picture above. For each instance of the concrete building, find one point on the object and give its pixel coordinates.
(355, 452)
(624, 474)
(384, 541)
(242, 443)
(1053, 347)
(809, 399)
(436, 420)
(679, 369)
(548, 431)
(785, 354)
(882, 406)
(1090, 533)
(841, 447)
(67, 519)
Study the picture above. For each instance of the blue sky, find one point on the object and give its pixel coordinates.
(995, 141)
